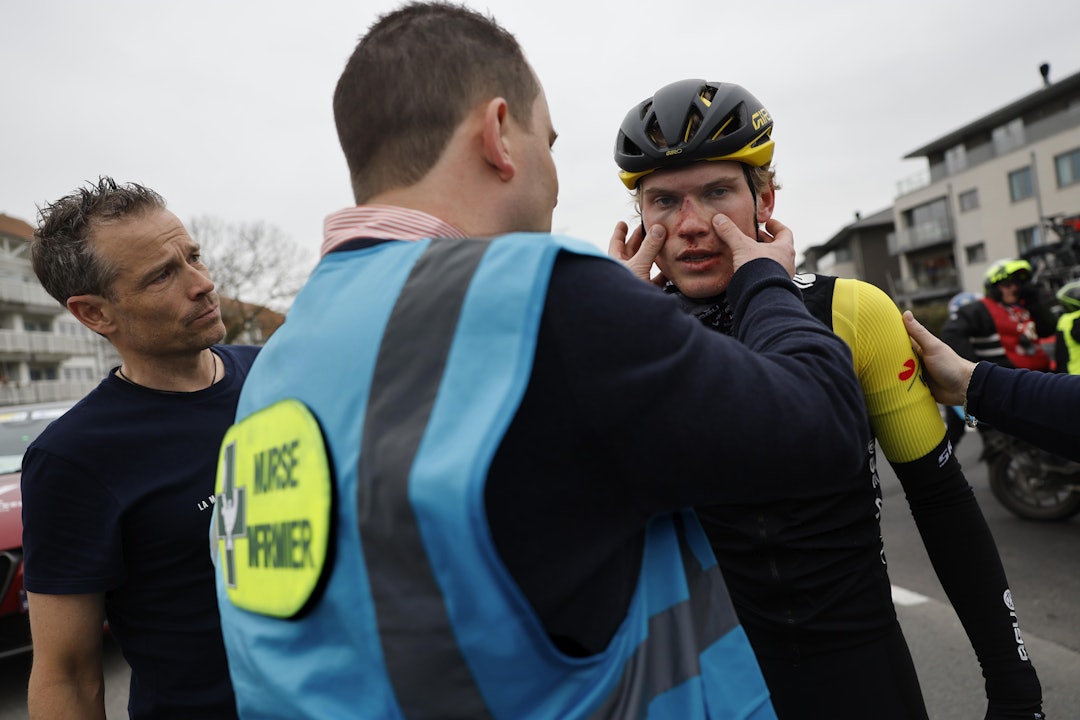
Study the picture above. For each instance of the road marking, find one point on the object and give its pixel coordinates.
(907, 598)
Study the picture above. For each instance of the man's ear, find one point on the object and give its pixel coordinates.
(766, 205)
(91, 311)
(496, 143)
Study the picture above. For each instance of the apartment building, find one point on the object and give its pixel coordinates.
(858, 250)
(45, 354)
(985, 191)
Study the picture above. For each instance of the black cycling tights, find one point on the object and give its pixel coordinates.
(875, 681)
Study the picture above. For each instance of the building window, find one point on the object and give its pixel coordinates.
(1008, 137)
(1068, 168)
(975, 253)
(926, 224)
(827, 263)
(935, 212)
(1027, 238)
(935, 272)
(955, 159)
(1021, 186)
(969, 200)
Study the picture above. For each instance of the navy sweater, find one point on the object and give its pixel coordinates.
(1041, 408)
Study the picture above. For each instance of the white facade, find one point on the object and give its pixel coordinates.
(989, 187)
(45, 354)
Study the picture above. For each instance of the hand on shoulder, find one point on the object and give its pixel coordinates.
(947, 373)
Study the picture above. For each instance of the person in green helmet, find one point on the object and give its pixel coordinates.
(1004, 327)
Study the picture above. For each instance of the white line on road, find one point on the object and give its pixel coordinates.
(907, 598)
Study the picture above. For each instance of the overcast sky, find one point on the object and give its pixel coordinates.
(225, 107)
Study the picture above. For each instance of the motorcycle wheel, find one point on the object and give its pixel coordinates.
(1019, 485)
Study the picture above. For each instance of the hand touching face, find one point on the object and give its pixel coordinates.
(683, 202)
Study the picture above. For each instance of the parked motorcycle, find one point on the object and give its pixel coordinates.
(1031, 483)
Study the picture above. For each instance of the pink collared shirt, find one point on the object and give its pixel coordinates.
(382, 221)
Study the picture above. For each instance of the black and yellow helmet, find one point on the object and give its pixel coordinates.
(693, 120)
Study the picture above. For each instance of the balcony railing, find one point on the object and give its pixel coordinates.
(911, 183)
(923, 235)
(45, 391)
(17, 292)
(41, 345)
(941, 283)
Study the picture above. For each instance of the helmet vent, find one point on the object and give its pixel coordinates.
(630, 148)
(693, 122)
(655, 136)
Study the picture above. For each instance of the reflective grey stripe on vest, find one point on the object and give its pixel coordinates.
(666, 659)
(428, 673)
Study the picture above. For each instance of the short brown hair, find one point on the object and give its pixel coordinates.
(764, 178)
(62, 251)
(411, 81)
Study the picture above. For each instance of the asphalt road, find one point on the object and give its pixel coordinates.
(1042, 561)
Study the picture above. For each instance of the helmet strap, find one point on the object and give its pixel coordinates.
(753, 194)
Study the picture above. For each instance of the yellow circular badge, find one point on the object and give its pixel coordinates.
(273, 510)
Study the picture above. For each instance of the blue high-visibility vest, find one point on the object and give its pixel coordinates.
(412, 358)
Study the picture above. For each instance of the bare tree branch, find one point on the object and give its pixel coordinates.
(254, 266)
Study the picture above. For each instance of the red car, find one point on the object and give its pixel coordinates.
(19, 425)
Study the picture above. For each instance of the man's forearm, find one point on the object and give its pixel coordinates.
(1034, 406)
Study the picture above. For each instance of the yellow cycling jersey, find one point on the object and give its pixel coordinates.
(903, 414)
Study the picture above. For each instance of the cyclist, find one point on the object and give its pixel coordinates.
(1006, 325)
(807, 571)
(1067, 344)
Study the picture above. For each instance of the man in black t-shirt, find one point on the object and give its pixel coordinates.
(117, 493)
